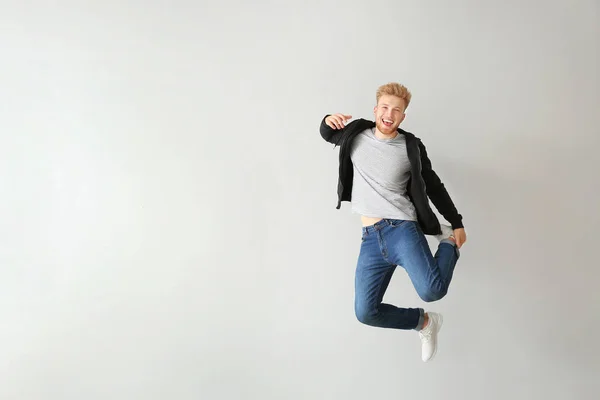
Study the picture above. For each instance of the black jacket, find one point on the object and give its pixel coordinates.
(424, 183)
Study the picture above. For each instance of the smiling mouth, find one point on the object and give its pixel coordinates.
(387, 122)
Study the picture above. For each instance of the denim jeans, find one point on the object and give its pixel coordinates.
(390, 243)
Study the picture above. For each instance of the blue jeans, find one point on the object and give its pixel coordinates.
(385, 245)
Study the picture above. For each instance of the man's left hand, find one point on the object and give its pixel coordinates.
(460, 237)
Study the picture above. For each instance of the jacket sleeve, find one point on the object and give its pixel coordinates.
(329, 134)
(437, 191)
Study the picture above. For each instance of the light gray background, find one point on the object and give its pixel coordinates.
(167, 221)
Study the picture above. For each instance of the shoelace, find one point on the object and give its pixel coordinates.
(425, 337)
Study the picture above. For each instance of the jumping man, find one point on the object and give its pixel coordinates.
(384, 171)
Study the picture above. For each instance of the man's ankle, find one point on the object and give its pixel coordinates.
(426, 321)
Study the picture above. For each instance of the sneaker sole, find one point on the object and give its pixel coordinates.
(439, 328)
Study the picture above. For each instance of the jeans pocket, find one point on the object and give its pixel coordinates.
(363, 236)
(396, 222)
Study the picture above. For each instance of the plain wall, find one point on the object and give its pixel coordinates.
(167, 215)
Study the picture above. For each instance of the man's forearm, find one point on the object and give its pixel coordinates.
(443, 202)
(437, 192)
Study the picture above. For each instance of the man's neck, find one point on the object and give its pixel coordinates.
(380, 135)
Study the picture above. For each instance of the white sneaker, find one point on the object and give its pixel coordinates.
(447, 232)
(428, 336)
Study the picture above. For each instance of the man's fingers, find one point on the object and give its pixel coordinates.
(343, 117)
(333, 123)
(338, 121)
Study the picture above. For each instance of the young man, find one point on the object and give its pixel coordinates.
(384, 171)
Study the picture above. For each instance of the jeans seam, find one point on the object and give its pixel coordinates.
(382, 246)
(380, 283)
(379, 294)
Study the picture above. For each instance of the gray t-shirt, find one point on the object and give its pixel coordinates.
(381, 172)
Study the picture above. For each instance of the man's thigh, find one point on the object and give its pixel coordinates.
(408, 248)
(373, 272)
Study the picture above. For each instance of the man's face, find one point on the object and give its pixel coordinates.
(389, 113)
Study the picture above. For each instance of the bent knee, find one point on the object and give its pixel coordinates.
(433, 295)
(365, 315)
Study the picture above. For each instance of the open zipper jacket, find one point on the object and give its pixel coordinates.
(424, 183)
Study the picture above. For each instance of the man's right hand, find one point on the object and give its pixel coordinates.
(337, 121)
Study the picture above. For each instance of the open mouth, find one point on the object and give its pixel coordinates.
(387, 122)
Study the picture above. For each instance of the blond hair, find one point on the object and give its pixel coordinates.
(394, 89)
